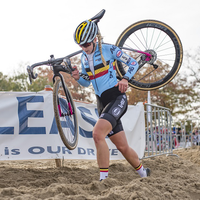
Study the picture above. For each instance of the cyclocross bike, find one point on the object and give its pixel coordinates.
(157, 49)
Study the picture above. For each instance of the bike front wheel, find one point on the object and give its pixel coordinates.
(65, 114)
(159, 40)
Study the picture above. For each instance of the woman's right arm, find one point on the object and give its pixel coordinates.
(78, 78)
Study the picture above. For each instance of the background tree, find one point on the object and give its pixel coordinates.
(192, 64)
(44, 78)
(14, 83)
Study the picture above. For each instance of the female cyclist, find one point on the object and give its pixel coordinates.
(98, 62)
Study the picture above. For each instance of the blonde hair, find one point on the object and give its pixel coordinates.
(100, 47)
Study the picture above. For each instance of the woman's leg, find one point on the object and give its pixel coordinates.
(120, 141)
(100, 131)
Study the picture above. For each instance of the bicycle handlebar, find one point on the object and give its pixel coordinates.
(53, 62)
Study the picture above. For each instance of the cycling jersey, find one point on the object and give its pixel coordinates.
(104, 77)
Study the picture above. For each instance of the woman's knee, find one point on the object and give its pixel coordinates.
(101, 129)
(97, 136)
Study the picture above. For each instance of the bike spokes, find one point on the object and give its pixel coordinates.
(65, 115)
(157, 39)
(66, 118)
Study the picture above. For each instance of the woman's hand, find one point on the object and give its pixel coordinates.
(75, 73)
(123, 85)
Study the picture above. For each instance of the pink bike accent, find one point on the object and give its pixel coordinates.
(59, 109)
(148, 58)
(70, 108)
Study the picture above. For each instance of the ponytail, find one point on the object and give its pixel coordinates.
(100, 47)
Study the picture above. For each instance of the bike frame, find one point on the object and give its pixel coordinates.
(56, 63)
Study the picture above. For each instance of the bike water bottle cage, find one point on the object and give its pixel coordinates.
(85, 32)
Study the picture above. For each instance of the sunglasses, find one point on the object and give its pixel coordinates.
(86, 45)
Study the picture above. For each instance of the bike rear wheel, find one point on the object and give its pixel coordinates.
(157, 39)
(65, 114)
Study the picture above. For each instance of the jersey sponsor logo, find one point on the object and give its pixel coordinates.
(111, 76)
(124, 58)
(119, 53)
(86, 77)
(112, 49)
(96, 55)
(121, 104)
(129, 60)
(111, 133)
(99, 59)
(130, 69)
(133, 63)
(116, 111)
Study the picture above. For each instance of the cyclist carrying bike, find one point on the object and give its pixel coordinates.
(98, 62)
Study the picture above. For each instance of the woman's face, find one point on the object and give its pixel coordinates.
(88, 47)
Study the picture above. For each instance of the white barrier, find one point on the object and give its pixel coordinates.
(28, 129)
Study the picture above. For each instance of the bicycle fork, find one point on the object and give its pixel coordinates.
(69, 110)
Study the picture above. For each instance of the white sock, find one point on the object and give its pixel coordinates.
(141, 171)
(103, 173)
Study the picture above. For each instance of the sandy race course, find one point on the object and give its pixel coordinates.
(171, 178)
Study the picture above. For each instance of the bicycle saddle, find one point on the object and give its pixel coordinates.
(98, 16)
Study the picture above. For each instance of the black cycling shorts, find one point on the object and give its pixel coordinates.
(111, 106)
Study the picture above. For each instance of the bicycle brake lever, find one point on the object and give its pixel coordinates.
(68, 64)
(30, 74)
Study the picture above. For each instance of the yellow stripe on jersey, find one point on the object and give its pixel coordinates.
(99, 70)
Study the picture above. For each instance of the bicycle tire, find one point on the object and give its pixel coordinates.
(141, 35)
(65, 115)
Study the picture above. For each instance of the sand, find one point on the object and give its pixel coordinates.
(172, 177)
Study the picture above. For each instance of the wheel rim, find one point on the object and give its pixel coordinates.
(160, 40)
